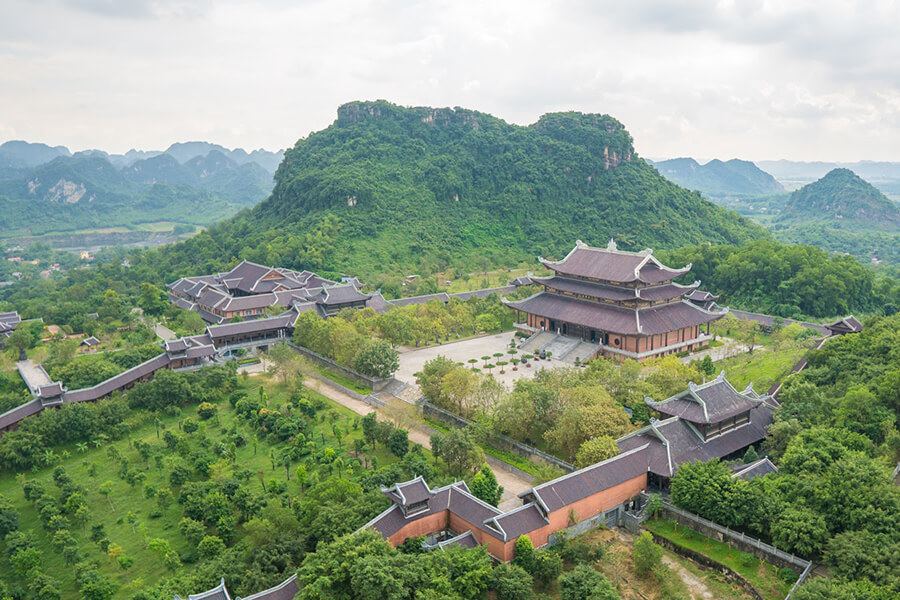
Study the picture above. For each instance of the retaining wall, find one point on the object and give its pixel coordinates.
(375, 383)
(705, 561)
(500, 441)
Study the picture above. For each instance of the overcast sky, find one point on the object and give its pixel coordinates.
(797, 79)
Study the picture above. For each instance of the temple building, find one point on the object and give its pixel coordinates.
(619, 304)
(286, 590)
(248, 289)
(705, 422)
(844, 326)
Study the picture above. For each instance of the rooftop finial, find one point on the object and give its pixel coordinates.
(611, 246)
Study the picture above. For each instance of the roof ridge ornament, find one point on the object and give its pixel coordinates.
(580, 244)
(611, 246)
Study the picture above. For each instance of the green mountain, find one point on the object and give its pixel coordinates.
(734, 178)
(87, 191)
(387, 188)
(841, 197)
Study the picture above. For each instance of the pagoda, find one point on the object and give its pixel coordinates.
(625, 303)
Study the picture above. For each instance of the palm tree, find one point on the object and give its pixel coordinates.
(82, 447)
(49, 457)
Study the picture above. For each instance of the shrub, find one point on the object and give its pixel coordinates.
(206, 410)
(511, 582)
(647, 555)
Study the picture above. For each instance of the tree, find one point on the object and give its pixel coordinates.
(152, 300)
(707, 489)
(125, 563)
(588, 411)
(546, 567)
(459, 450)
(398, 442)
(800, 530)
(523, 553)
(210, 547)
(485, 486)
(105, 489)
(9, 518)
(285, 361)
(584, 583)
(596, 450)
(646, 555)
(750, 456)
(511, 582)
(377, 358)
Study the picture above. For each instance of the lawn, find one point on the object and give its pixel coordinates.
(763, 576)
(342, 380)
(147, 567)
(762, 367)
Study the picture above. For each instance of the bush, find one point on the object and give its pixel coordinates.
(647, 555)
(511, 582)
(524, 553)
(206, 410)
(584, 583)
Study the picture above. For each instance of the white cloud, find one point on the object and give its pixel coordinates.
(746, 78)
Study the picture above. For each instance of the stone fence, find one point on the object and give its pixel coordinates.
(375, 383)
(500, 441)
(738, 540)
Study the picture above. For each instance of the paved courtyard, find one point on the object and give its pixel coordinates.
(412, 360)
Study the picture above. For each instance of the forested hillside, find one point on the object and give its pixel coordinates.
(89, 190)
(392, 189)
(720, 179)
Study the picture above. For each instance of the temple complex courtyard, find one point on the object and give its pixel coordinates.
(412, 360)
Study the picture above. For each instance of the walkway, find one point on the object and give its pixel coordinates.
(34, 375)
(728, 349)
(513, 483)
(769, 321)
(164, 332)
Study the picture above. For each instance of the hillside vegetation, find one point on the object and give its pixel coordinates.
(88, 190)
(727, 179)
(392, 189)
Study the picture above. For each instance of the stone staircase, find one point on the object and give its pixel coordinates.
(581, 350)
(534, 344)
(560, 346)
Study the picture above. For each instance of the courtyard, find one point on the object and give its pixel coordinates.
(412, 360)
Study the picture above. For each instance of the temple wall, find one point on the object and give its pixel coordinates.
(424, 526)
(589, 507)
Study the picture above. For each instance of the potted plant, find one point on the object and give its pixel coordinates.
(472, 362)
(489, 366)
(515, 363)
(501, 364)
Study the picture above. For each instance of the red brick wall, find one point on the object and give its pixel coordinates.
(424, 526)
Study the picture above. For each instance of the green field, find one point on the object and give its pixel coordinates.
(125, 499)
(763, 576)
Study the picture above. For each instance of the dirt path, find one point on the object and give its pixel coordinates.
(512, 483)
(697, 588)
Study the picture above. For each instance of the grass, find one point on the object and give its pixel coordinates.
(147, 568)
(539, 472)
(342, 380)
(762, 367)
(763, 576)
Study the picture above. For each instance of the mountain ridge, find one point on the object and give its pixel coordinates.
(841, 196)
(716, 178)
(391, 188)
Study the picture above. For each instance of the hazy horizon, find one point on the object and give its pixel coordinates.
(805, 81)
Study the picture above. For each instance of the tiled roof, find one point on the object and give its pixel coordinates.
(482, 294)
(51, 391)
(711, 402)
(343, 294)
(615, 319)
(408, 492)
(520, 521)
(179, 345)
(846, 325)
(611, 264)
(257, 325)
(441, 296)
(759, 468)
(286, 590)
(378, 303)
(585, 482)
(611, 292)
(13, 416)
(675, 441)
